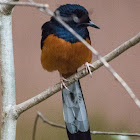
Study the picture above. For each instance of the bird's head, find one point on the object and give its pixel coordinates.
(74, 15)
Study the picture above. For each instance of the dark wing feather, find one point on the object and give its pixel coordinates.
(46, 30)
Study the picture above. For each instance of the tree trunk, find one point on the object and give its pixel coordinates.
(9, 119)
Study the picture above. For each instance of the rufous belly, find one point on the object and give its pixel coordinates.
(66, 57)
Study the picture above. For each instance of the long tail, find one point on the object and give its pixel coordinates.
(75, 114)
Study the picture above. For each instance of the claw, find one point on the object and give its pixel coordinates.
(88, 65)
(63, 80)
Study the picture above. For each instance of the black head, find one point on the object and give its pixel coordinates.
(74, 14)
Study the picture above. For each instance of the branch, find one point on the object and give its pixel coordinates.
(6, 9)
(44, 8)
(8, 125)
(29, 4)
(114, 133)
(39, 115)
(102, 59)
(20, 108)
(45, 120)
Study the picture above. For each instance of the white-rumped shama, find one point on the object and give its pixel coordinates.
(62, 51)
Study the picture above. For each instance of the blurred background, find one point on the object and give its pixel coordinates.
(109, 106)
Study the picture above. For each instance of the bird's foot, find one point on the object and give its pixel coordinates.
(88, 65)
(63, 80)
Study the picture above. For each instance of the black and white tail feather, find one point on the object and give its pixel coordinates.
(75, 114)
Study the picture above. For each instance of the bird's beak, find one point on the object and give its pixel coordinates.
(91, 24)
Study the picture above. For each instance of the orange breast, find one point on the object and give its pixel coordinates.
(66, 57)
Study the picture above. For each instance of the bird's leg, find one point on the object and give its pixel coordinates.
(63, 80)
(88, 65)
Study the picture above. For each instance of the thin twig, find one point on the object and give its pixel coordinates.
(45, 120)
(30, 4)
(114, 133)
(35, 126)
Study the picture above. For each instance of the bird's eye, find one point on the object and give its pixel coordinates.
(80, 17)
(76, 18)
(77, 15)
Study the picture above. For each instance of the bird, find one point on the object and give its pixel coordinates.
(61, 51)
